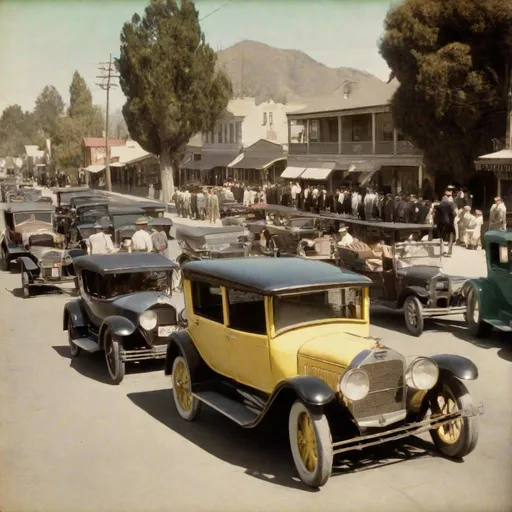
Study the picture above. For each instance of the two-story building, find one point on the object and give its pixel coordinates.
(349, 138)
(243, 124)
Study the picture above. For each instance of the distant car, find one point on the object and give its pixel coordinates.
(84, 216)
(152, 210)
(125, 308)
(291, 337)
(489, 299)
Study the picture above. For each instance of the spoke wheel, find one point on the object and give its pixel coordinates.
(310, 444)
(115, 366)
(72, 335)
(477, 327)
(3, 256)
(25, 284)
(187, 405)
(413, 312)
(458, 438)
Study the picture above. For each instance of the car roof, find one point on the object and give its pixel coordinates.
(199, 231)
(29, 207)
(99, 202)
(72, 190)
(124, 262)
(148, 205)
(498, 236)
(272, 276)
(125, 210)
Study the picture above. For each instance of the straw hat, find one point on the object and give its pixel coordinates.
(141, 221)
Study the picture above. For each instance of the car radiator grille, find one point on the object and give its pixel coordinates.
(386, 390)
(51, 258)
(166, 315)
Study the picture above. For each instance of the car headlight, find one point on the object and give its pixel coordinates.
(355, 384)
(422, 374)
(148, 320)
(442, 285)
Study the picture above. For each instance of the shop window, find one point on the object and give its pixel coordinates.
(219, 133)
(238, 132)
(231, 133)
(313, 130)
(207, 301)
(264, 123)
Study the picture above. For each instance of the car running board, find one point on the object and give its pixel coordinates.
(499, 324)
(234, 410)
(87, 344)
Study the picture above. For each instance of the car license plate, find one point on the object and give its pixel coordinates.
(55, 272)
(166, 330)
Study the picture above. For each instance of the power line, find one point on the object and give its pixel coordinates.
(106, 84)
(216, 10)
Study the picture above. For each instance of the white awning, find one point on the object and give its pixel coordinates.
(95, 168)
(315, 173)
(366, 176)
(117, 164)
(292, 173)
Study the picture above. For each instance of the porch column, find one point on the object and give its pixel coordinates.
(374, 130)
(340, 132)
(307, 136)
(498, 194)
(420, 177)
(289, 135)
(395, 140)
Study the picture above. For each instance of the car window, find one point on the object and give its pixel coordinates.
(296, 309)
(90, 282)
(247, 312)
(207, 301)
(499, 256)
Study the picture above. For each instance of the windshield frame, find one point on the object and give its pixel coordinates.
(417, 260)
(32, 218)
(365, 302)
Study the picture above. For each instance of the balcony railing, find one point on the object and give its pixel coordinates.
(403, 147)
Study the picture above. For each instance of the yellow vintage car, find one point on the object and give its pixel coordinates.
(291, 336)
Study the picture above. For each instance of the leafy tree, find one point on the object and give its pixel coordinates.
(81, 106)
(167, 73)
(17, 128)
(453, 59)
(48, 110)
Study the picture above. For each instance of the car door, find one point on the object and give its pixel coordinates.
(247, 339)
(205, 312)
(500, 260)
(95, 298)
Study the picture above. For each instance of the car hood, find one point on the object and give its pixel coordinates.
(336, 347)
(418, 274)
(139, 302)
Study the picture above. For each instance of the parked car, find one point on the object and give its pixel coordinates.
(64, 199)
(489, 299)
(407, 276)
(152, 210)
(125, 308)
(291, 336)
(84, 216)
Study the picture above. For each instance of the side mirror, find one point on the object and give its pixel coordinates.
(182, 318)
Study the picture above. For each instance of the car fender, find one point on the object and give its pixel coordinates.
(181, 344)
(460, 367)
(74, 309)
(417, 291)
(119, 325)
(310, 390)
(75, 253)
(483, 288)
(28, 265)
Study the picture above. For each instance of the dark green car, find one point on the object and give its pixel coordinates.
(489, 299)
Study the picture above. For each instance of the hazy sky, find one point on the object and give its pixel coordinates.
(43, 42)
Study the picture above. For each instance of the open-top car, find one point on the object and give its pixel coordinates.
(292, 337)
(125, 308)
(489, 299)
(407, 276)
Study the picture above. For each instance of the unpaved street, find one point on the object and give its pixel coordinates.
(70, 441)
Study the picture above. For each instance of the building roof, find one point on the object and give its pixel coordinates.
(99, 142)
(256, 162)
(129, 153)
(368, 93)
(273, 276)
(124, 262)
(211, 160)
(34, 151)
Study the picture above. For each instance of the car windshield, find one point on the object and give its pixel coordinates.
(410, 254)
(122, 284)
(302, 223)
(86, 232)
(303, 308)
(65, 197)
(92, 214)
(20, 218)
(124, 219)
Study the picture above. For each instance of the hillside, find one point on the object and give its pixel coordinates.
(263, 71)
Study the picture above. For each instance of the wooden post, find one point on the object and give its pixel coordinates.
(340, 135)
(374, 131)
(307, 136)
(395, 141)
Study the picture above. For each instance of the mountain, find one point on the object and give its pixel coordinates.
(264, 72)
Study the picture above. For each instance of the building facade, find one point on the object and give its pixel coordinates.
(349, 138)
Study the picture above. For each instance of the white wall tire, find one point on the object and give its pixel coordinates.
(188, 406)
(310, 444)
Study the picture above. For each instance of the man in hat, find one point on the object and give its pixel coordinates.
(474, 232)
(498, 215)
(141, 239)
(466, 219)
(100, 242)
(345, 237)
(159, 239)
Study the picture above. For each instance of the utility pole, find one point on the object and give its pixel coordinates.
(106, 84)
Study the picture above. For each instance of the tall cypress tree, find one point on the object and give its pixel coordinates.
(167, 73)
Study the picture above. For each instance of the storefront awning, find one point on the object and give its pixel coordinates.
(315, 173)
(501, 161)
(95, 168)
(256, 162)
(210, 161)
(292, 173)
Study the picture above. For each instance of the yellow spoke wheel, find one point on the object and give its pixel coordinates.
(186, 404)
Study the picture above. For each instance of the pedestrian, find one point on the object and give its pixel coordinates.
(498, 215)
(465, 222)
(151, 192)
(213, 207)
(445, 223)
(100, 242)
(187, 200)
(159, 239)
(141, 239)
(474, 233)
(201, 204)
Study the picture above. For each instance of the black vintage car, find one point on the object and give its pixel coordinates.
(85, 214)
(152, 210)
(125, 308)
(122, 220)
(64, 198)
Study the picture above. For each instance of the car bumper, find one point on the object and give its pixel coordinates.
(456, 310)
(158, 352)
(410, 429)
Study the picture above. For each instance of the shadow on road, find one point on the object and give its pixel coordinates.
(264, 451)
(93, 366)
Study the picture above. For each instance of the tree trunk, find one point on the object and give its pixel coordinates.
(166, 176)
